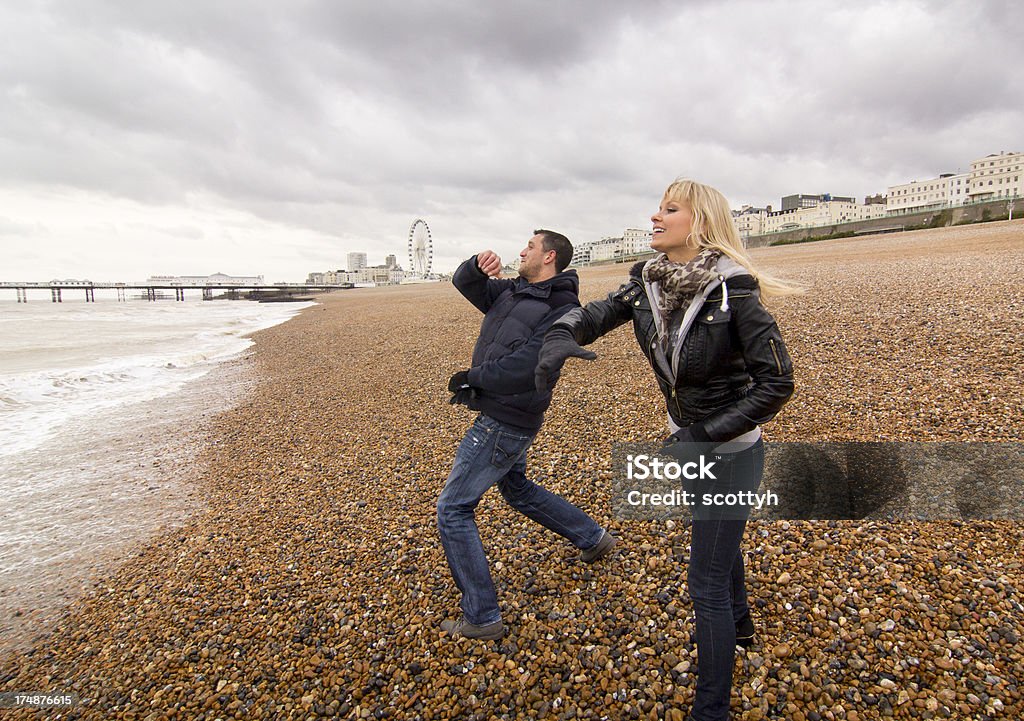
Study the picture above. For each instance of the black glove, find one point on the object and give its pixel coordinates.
(688, 444)
(559, 344)
(458, 381)
(462, 391)
(684, 447)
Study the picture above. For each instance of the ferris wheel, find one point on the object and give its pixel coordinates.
(421, 249)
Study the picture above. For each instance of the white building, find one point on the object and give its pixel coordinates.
(749, 220)
(606, 249)
(997, 176)
(581, 252)
(636, 241)
(830, 212)
(941, 192)
(355, 261)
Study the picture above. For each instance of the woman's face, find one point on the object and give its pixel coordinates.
(672, 225)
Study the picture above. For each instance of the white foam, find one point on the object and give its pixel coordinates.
(60, 365)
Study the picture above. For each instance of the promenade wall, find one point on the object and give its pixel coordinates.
(938, 217)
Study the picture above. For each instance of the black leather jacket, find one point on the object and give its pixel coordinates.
(732, 372)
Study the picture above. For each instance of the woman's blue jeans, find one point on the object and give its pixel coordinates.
(716, 582)
(495, 453)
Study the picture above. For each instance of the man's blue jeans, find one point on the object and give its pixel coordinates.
(490, 453)
(716, 583)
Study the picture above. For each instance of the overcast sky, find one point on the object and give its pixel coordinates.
(271, 138)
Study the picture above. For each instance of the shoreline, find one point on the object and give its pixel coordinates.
(148, 471)
(312, 582)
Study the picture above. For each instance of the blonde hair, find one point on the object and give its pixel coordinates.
(713, 227)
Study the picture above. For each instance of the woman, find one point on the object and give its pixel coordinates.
(722, 366)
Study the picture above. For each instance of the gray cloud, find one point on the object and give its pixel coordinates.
(335, 124)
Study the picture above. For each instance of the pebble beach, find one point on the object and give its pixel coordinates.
(309, 582)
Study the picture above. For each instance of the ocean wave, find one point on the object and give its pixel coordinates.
(142, 364)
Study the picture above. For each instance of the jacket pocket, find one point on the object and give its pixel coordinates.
(707, 345)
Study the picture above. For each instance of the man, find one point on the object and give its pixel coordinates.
(500, 384)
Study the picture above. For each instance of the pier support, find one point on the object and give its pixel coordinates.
(151, 294)
(22, 295)
(179, 294)
(90, 295)
(207, 293)
(120, 295)
(55, 295)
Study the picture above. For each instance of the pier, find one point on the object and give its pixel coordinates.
(155, 291)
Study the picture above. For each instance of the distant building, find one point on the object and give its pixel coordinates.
(996, 176)
(943, 191)
(356, 261)
(606, 249)
(749, 220)
(802, 200)
(581, 252)
(391, 262)
(330, 277)
(829, 212)
(636, 241)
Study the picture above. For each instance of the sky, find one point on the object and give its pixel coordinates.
(259, 137)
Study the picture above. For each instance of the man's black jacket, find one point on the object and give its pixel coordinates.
(517, 314)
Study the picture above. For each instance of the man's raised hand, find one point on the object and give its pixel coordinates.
(489, 263)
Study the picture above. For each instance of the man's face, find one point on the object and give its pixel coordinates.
(531, 258)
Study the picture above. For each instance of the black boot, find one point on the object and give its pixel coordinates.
(745, 632)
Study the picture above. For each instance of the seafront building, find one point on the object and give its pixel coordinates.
(636, 241)
(803, 200)
(946, 190)
(632, 242)
(355, 262)
(359, 273)
(997, 176)
(606, 249)
(750, 220)
(828, 212)
(994, 177)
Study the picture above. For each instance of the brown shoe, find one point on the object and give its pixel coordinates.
(462, 627)
(599, 551)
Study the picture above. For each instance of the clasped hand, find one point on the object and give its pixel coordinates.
(489, 263)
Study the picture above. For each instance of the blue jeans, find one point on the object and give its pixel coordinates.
(490, 453)
(716, 583)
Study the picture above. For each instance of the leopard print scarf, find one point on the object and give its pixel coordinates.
(679, 283)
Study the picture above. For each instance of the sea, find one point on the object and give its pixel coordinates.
(103, 407)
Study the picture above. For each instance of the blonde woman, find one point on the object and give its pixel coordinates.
(720, 362)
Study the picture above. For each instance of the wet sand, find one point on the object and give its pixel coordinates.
(311, 582)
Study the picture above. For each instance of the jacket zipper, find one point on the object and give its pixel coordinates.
(675, 400)
(670, 384)
(775, 353)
